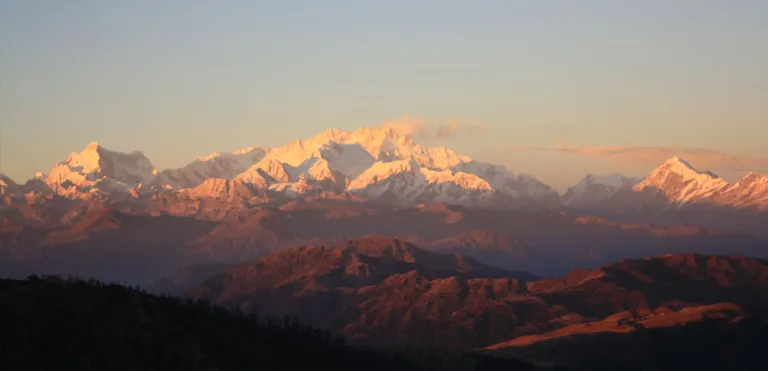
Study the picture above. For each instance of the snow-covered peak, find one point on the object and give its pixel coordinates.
(755, 178)
(752, 183)
(750, 191)
(382, 144)
(246, 150)
(216, 165)
(502, 180)
(680, 182)
(680, 166)
(7, 185)
(593, 188)
(372, 161)
(6, 180)
(385, 171)
(677, 161)
(98, 167)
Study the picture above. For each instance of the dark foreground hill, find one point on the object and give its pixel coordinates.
(711, 345)
(53, 324)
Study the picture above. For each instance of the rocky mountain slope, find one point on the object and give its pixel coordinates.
(375, 292)
(674, 311)
(698, 338)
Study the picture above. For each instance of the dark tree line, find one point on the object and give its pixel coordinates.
(53, 323)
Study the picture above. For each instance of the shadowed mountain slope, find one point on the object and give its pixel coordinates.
(375, 292)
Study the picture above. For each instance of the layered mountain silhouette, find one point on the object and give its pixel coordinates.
(382, 291)
(98, 241)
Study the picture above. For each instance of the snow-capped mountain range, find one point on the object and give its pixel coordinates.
(374, 164)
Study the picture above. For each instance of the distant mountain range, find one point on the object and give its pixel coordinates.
(97, 241)
(379, 165)
(112, 215)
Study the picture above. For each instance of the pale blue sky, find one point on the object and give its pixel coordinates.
(181, 79)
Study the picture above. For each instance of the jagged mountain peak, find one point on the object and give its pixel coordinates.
(7, 185)
(98, 168)
(382, 144)
(384, 164)
(94, 148)
(380, 162)
(680, 166)
(750, 191)
(681, 183)
(677, 160)
(754, 177)
(215, 165)
(6, 180)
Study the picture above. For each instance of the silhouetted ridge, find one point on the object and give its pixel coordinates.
(55, 324)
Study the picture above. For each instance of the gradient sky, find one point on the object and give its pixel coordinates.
(563, 87)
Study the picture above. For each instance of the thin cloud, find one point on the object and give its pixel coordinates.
(446, 130)
(699, 157)
(443, 129)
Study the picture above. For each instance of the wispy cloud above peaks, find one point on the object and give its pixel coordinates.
(641, 155)
(434, 129)
(446, 130)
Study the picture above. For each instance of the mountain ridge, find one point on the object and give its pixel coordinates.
(385, 166)
(448, 310)
(358, 161)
